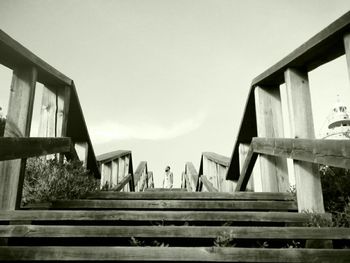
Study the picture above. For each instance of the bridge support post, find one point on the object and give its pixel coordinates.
(274, 170)
(243, 150)
(18, 124)
(307, 177)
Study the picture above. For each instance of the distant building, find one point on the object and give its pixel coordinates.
(338, 123)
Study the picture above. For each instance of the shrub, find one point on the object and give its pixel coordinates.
(49, 180)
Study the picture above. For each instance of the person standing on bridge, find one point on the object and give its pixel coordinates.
(168, 178)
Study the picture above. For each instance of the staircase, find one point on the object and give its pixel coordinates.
(167, 226)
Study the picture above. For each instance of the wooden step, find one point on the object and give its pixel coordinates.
(182, 216)
(190, 196)
(175, 254)
(172, 205)
(198, 232)
(165, 190)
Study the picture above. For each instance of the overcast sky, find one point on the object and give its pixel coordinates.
(169, 79)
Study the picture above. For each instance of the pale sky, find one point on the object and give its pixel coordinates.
(168, 79)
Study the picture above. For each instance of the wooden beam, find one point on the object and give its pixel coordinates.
(274, 171)
(174, 195)
(208, 185)
(217, 158)
(307, 178)
(106, 157)
(200, 232)
(173, 254)
(243, 151)
(123, 182)
(17, 148)
(328, 152)
(193, 205)
(246, 170)
(132, 215)
(18, 124)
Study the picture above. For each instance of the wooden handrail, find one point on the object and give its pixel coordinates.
(137, 174)
(15, 55)
(217, 158)
(107, 157)
(325, 46)
(16, 148)
(328, 152)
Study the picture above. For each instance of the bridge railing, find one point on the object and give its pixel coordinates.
(61, 116)
(263, 119)
(116, 171)
(189, 178)
(143, 178)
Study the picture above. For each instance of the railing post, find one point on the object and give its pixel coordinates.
(18, 124)
(274, 170)
(347, 50)
(243, 150)
(82, 149)
(307, 178)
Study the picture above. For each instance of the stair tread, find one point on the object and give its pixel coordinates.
(29, 231)
(124, 215)
(172, 205)
(205, 254)
(169, 195)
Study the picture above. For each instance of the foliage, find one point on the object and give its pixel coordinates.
(154, 243)
(2, 126)
(317, 220)
(226, 239)
(336, 194)
(49, 180)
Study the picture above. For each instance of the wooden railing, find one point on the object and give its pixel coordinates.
(116, 171)
(143, 178)
(61, 116)
(263, 118)
(211, 176)
(189, 178)
(212, 173)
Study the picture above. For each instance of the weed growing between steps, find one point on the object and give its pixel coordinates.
(49, 180)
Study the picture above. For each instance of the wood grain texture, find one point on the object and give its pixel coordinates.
(307, 178)
(217, 158)
(28, 231)
(16, 148)
(115, 216)
(177, 205)
(123, 182)
(174, 254)
(274, 171)
(18, 124)
(107, 157)
(174, 195)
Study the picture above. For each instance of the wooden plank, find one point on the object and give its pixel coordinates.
(243, 151)
(114, 177)
(175, 195)
(328, 152)
(188, 183)
(82, 149)
(346, 39)
(208, 184)
(176, 204)
(307, 178)
(274, 171)
(16, 148)
(30, 231)
(192, 174)
(246, 170)
(18, 124)
(14, 55)
(174, 254)
(123, 182)
(115, 216)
